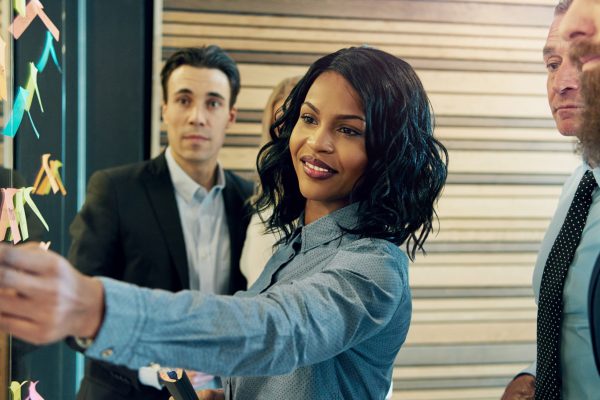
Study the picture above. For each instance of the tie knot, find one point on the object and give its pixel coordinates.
(587, 184)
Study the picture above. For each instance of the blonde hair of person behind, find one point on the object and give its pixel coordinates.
(280, 92)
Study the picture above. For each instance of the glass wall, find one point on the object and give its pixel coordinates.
(78, 98)
(35, 163)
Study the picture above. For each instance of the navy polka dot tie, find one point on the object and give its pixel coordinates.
(550, 305)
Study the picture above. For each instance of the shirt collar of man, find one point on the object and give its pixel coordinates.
(327, 228)
(595, 171)
(185, 186)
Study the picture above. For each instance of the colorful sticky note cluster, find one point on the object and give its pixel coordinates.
(23, 102)
(24, 96)
(23, 20)
(49, 177)
(15, 391)
(12, 214)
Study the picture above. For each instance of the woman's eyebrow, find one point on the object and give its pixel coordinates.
(341, 116)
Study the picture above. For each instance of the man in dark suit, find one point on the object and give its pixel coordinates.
(175, 222)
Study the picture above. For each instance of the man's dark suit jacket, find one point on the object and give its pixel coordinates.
(129, 229)
(594, 311)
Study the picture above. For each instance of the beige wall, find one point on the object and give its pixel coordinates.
(480, 61)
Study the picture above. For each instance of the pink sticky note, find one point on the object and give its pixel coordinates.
(22, 22)
(51, 27)
(8, 216)
(33, 394)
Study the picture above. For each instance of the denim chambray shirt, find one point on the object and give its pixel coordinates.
(324, 320)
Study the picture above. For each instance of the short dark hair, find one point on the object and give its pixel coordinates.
(562, 7)
(211, 56)
(406, 166)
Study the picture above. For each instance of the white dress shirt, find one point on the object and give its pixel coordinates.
(205, 230)
(206, 235)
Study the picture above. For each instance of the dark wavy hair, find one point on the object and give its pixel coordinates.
(406, 166)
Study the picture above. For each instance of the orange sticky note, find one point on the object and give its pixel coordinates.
(48, 177)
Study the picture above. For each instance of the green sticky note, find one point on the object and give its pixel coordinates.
(20, 8)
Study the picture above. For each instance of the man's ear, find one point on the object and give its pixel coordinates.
(163, 110)
(232, 116)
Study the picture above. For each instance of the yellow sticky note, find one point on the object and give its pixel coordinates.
(21, 8)
(32, 87)
(15, 390)
(54, 166)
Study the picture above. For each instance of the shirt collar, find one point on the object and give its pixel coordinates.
(329, 227)
(595, 171)
(185, 186)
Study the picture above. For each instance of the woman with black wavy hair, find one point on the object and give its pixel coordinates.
(406, 165)
(353, 171)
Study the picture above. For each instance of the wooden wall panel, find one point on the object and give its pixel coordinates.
(473, 325)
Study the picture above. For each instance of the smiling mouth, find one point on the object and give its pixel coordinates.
(316, 169)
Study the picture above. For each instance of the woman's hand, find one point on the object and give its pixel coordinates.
(43, 299)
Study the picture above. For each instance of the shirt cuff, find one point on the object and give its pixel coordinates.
(149, 376)
(121, 327)
(530, 370)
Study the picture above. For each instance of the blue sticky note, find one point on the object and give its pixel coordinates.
(48, 50)
(14, 121)
(33, 126)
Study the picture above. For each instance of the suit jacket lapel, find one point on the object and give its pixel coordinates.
(162, 198)
(234, 212)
